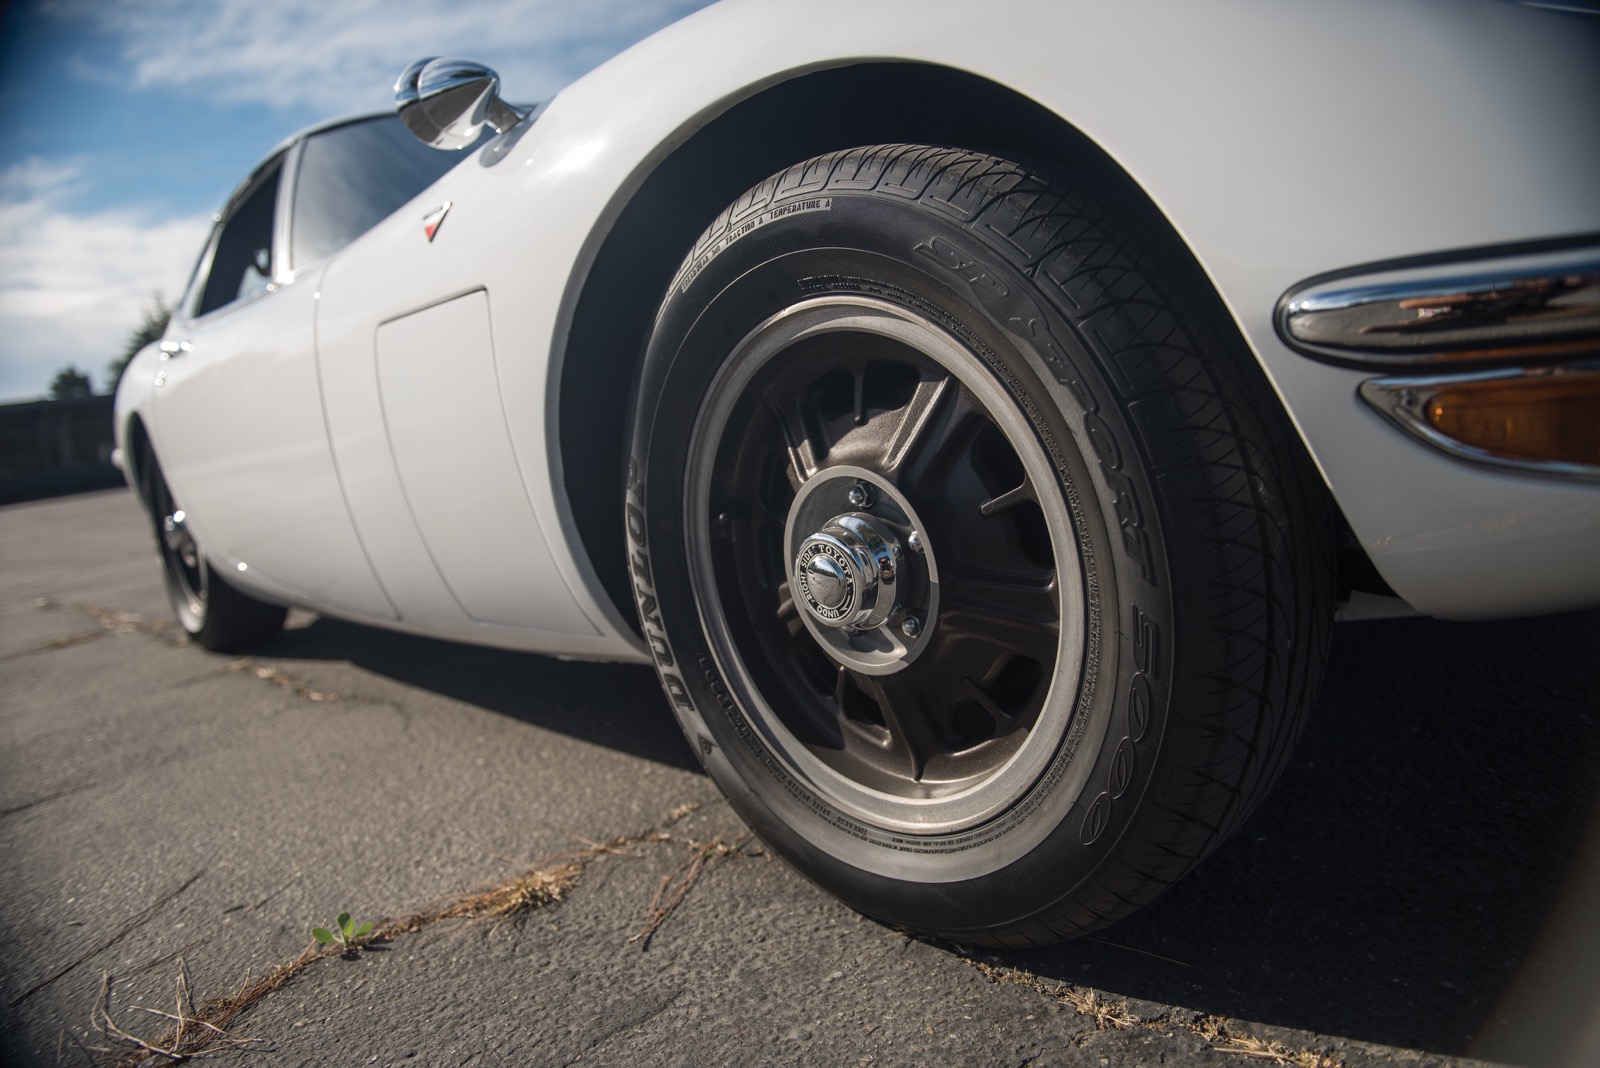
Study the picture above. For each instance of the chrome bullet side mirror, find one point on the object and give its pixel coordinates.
(447, 102)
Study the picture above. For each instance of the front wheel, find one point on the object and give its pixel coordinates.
(977, 560)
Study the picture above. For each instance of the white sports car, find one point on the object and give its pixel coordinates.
(978, 415)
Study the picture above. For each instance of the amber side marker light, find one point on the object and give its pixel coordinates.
(1551, 417)
(1546, 419)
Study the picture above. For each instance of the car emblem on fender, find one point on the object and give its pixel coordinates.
(431, 221)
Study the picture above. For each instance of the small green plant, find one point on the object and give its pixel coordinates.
(344, 933)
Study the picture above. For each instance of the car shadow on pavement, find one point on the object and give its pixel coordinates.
(1394, 882)
(616, 705)
(1388, 890)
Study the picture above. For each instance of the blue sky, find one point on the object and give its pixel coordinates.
(125, 123)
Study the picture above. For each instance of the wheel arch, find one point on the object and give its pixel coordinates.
(750, 139)
(138, 456)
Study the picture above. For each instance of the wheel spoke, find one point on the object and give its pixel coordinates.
(787, 615)
(1014, 612)
(914, 735)
(978, 692)
(1030, 594)
(936, 421)
(805, 453)
(1009, 499)
(916, 418)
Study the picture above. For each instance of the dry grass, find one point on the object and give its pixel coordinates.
(1216, 1031)
(191, 1033)
(676, 884)
(530, 890)
(280, 680)
(197, 1033)
(1082, 1000)
(1105, 1014)
(194, 1032)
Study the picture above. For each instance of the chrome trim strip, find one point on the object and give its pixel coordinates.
(1403, 401)
(1520, 306)
(283, 270)
(183, 313)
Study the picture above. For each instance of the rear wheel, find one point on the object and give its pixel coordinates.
(212, 612)
(975, 555)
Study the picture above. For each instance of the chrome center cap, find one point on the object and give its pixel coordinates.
(862, 576)
(827, 585)
(175, 532)
(844, 574)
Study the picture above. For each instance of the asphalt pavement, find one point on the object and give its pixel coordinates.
(556, 882)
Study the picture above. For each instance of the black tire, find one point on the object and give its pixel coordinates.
(1125, 575)
(213, 613)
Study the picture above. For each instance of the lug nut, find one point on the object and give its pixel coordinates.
(911, 626)
(860, 495)
(914, 542)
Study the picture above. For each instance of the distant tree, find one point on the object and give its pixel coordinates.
(70, 382)
(156, 315)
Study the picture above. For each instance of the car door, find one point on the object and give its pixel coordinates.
(412, 388)
(238, 413)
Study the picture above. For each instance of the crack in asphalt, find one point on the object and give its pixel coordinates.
(46, 799)
(58, 643)
(636, 1020)
(111, 622)
(139, 919)
(114, 621)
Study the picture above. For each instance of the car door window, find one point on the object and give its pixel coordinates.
(353, 176)
(241, 258)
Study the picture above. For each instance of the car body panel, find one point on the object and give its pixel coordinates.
(1280, 141)
(393, 273)
(436, 434)
(1475, 123)
(262, 488)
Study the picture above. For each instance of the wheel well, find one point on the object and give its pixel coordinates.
(868, 103)
(139, 455)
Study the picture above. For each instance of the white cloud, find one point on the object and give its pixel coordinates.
(74, 286)
(340, 57)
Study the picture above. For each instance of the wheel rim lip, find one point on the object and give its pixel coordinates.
(997, 791)
(186, 586)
